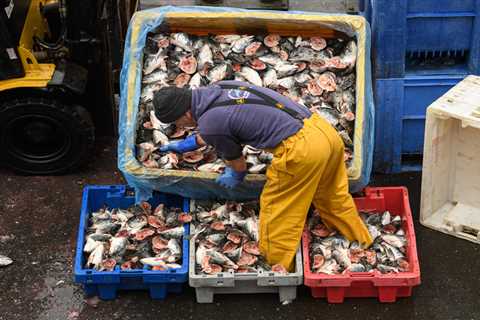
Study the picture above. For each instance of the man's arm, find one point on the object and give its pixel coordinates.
(238, 165)
(200, 141)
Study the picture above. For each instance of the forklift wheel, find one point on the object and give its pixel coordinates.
(43, 136)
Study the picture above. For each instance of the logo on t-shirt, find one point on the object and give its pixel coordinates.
(238, 94)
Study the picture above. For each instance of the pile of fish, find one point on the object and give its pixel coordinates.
(315, 72)
(331, 253)
(203, 159)
(135, 237)
(226, 238)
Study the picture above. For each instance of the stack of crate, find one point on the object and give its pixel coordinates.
(421, 48)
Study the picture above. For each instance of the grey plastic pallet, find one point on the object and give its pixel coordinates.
(206, 286)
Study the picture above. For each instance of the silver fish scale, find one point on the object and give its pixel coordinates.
(291, 67)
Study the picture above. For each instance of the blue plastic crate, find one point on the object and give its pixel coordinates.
(411, 37)
(401, 104)
(106, 284)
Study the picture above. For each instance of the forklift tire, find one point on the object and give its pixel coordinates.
(40, 136)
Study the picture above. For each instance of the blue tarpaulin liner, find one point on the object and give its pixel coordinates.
(203, 20)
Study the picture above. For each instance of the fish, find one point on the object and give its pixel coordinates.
(239, 45)
(252, 48)
(182, 80)
(160, 77)
(308, 55)
(387, 269)
(102, 237)
(91, 245)
(394, 240)
(232, 244)
(168, 161)
(299, 42)
(96, 256)
(311, 71)
(216, 238)
(327, 81)
(144, 234)
(257, 64)
(153, 261)
(341, 256)
(107, 265)
(271, 59)
(139, 233)
(175, 233)
(251, 247)
(357, 267)
(219, 72)
(181, 40)
(118, 245)
(386, 218)
(220, 259)
(272, 40)
(205, 57)
(123, 215)
(285, 69)
(155, 61)
(5, 261)
(250, 226)
(258, 168)
(196, 81)
(136, 224)
(318, 261)
(347, 59)
(318, 43)
(335, 254)
(286, 83)
(227, 38)
(303, 77)
(188, 64)
(159, 138)
(329, 267)
(251, 75)
(270, 78)
(175, 250)
(225, 51)
(103, 227)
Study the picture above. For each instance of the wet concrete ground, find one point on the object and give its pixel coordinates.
(38, 226)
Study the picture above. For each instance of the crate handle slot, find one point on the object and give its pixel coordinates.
(470, 231)
(362, 274)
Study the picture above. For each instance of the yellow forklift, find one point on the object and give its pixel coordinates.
(59, 65)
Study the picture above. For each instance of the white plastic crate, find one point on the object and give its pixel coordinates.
(451, 162)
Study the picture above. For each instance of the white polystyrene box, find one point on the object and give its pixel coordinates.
(450, 200)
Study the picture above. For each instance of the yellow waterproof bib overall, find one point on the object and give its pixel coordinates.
(307, 167)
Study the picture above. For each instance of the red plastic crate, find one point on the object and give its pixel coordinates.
(387, 287)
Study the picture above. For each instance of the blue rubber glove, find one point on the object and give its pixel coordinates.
(188, 144)
(231, 178)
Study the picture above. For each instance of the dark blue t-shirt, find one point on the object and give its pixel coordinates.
(228, 127)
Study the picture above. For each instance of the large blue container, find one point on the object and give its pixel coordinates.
(413, 36)
(401, 104)
(106, 284)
